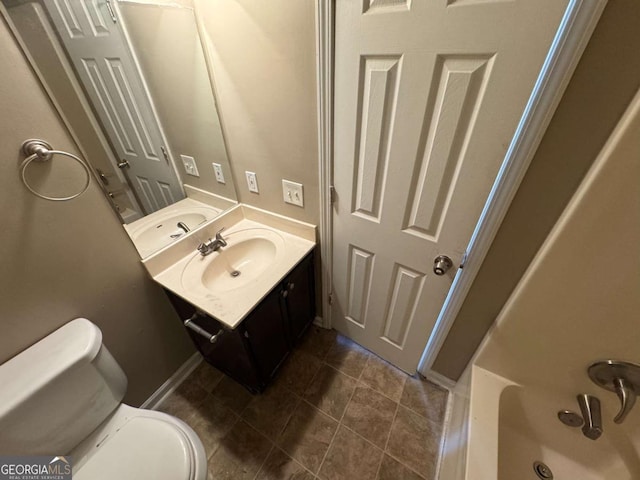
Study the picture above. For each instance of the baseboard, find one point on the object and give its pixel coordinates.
(173, 382)
(319, 322)
(439, 379)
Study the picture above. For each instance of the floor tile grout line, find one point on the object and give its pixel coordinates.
(227, 433)
(324, 458)
(284, 427)
(362, 437)
(395, 415)
(430, 420)
(273, 445)
(276, 447)
(378, 391)
(404, 464)
(386, 443)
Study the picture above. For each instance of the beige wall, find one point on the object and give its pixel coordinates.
(61, 81)
(578, 302)
(166, 41)
(263, 57)
(61, 260)
(606, 79)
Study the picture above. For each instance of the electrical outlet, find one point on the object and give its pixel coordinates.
(217, 169)
(190, 165)
(292, 193)
(252, 181)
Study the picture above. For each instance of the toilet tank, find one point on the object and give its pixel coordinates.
(56, 392)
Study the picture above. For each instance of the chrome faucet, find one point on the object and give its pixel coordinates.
(622, 378)
(182, 226)
(212, 245)
(592, 415)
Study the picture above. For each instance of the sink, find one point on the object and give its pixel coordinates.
(248, 254)
(159, 234)
(262, 248)
(160, 228)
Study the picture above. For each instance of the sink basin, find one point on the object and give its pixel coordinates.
(160, 228)
(156, 234)
(248, 254)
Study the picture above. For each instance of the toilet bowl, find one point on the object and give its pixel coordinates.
(62, 396)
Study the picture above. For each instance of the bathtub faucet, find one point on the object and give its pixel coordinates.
(622, 378)
(590, 408)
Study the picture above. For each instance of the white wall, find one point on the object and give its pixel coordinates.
(579, 301)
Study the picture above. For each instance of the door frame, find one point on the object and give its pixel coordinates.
(577, 25)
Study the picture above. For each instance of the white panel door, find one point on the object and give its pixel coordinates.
(428, 94)
(104, 63)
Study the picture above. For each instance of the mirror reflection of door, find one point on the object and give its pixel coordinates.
(96, 45)
(133, 84)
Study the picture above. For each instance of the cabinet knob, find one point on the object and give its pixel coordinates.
(285, 293)
(292, 285)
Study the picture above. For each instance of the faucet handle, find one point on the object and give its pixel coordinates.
(591, 413)
(221, 241)
(627, 396)
(622, 378)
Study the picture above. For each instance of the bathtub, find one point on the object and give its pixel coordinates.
(512, 426)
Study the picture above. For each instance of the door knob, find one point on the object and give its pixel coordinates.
(441, 264)
(123, 164)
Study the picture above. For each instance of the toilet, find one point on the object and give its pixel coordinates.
(63, 395)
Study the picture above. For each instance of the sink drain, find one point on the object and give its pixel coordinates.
(542, 471)
(235, 273)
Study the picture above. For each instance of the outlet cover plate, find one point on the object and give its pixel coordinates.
(190, 165)
(217, 169)
(252, 181)
(292, 193)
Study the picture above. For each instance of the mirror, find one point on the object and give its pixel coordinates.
(133, 84)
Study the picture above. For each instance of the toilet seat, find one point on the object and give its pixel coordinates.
(144, 447)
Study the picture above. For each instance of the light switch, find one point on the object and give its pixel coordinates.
(292, 193)
(190, 165)
(217, 169)
(252, 181)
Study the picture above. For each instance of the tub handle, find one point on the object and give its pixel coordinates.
(627, 396)
(622, 378)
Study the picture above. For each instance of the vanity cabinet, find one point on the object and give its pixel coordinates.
(253, 351)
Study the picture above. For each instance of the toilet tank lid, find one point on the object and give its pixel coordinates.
(76, 342)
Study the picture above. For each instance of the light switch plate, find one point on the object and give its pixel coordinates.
(190, 165)
(217, 169)
(252, 181)
(292, 193)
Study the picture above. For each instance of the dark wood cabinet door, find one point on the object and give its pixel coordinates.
(300, 285)
(252, 353)
(266, 335)
(229, 354)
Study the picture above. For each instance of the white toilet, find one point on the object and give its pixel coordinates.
(62, 396)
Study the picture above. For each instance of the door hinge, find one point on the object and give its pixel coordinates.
(111, 11)
(332, 194)
(331, 299)
(165, 154)
(463, 261)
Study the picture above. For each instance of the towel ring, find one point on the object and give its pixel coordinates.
(41, 151)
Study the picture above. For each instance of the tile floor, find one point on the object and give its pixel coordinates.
(335, 411)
